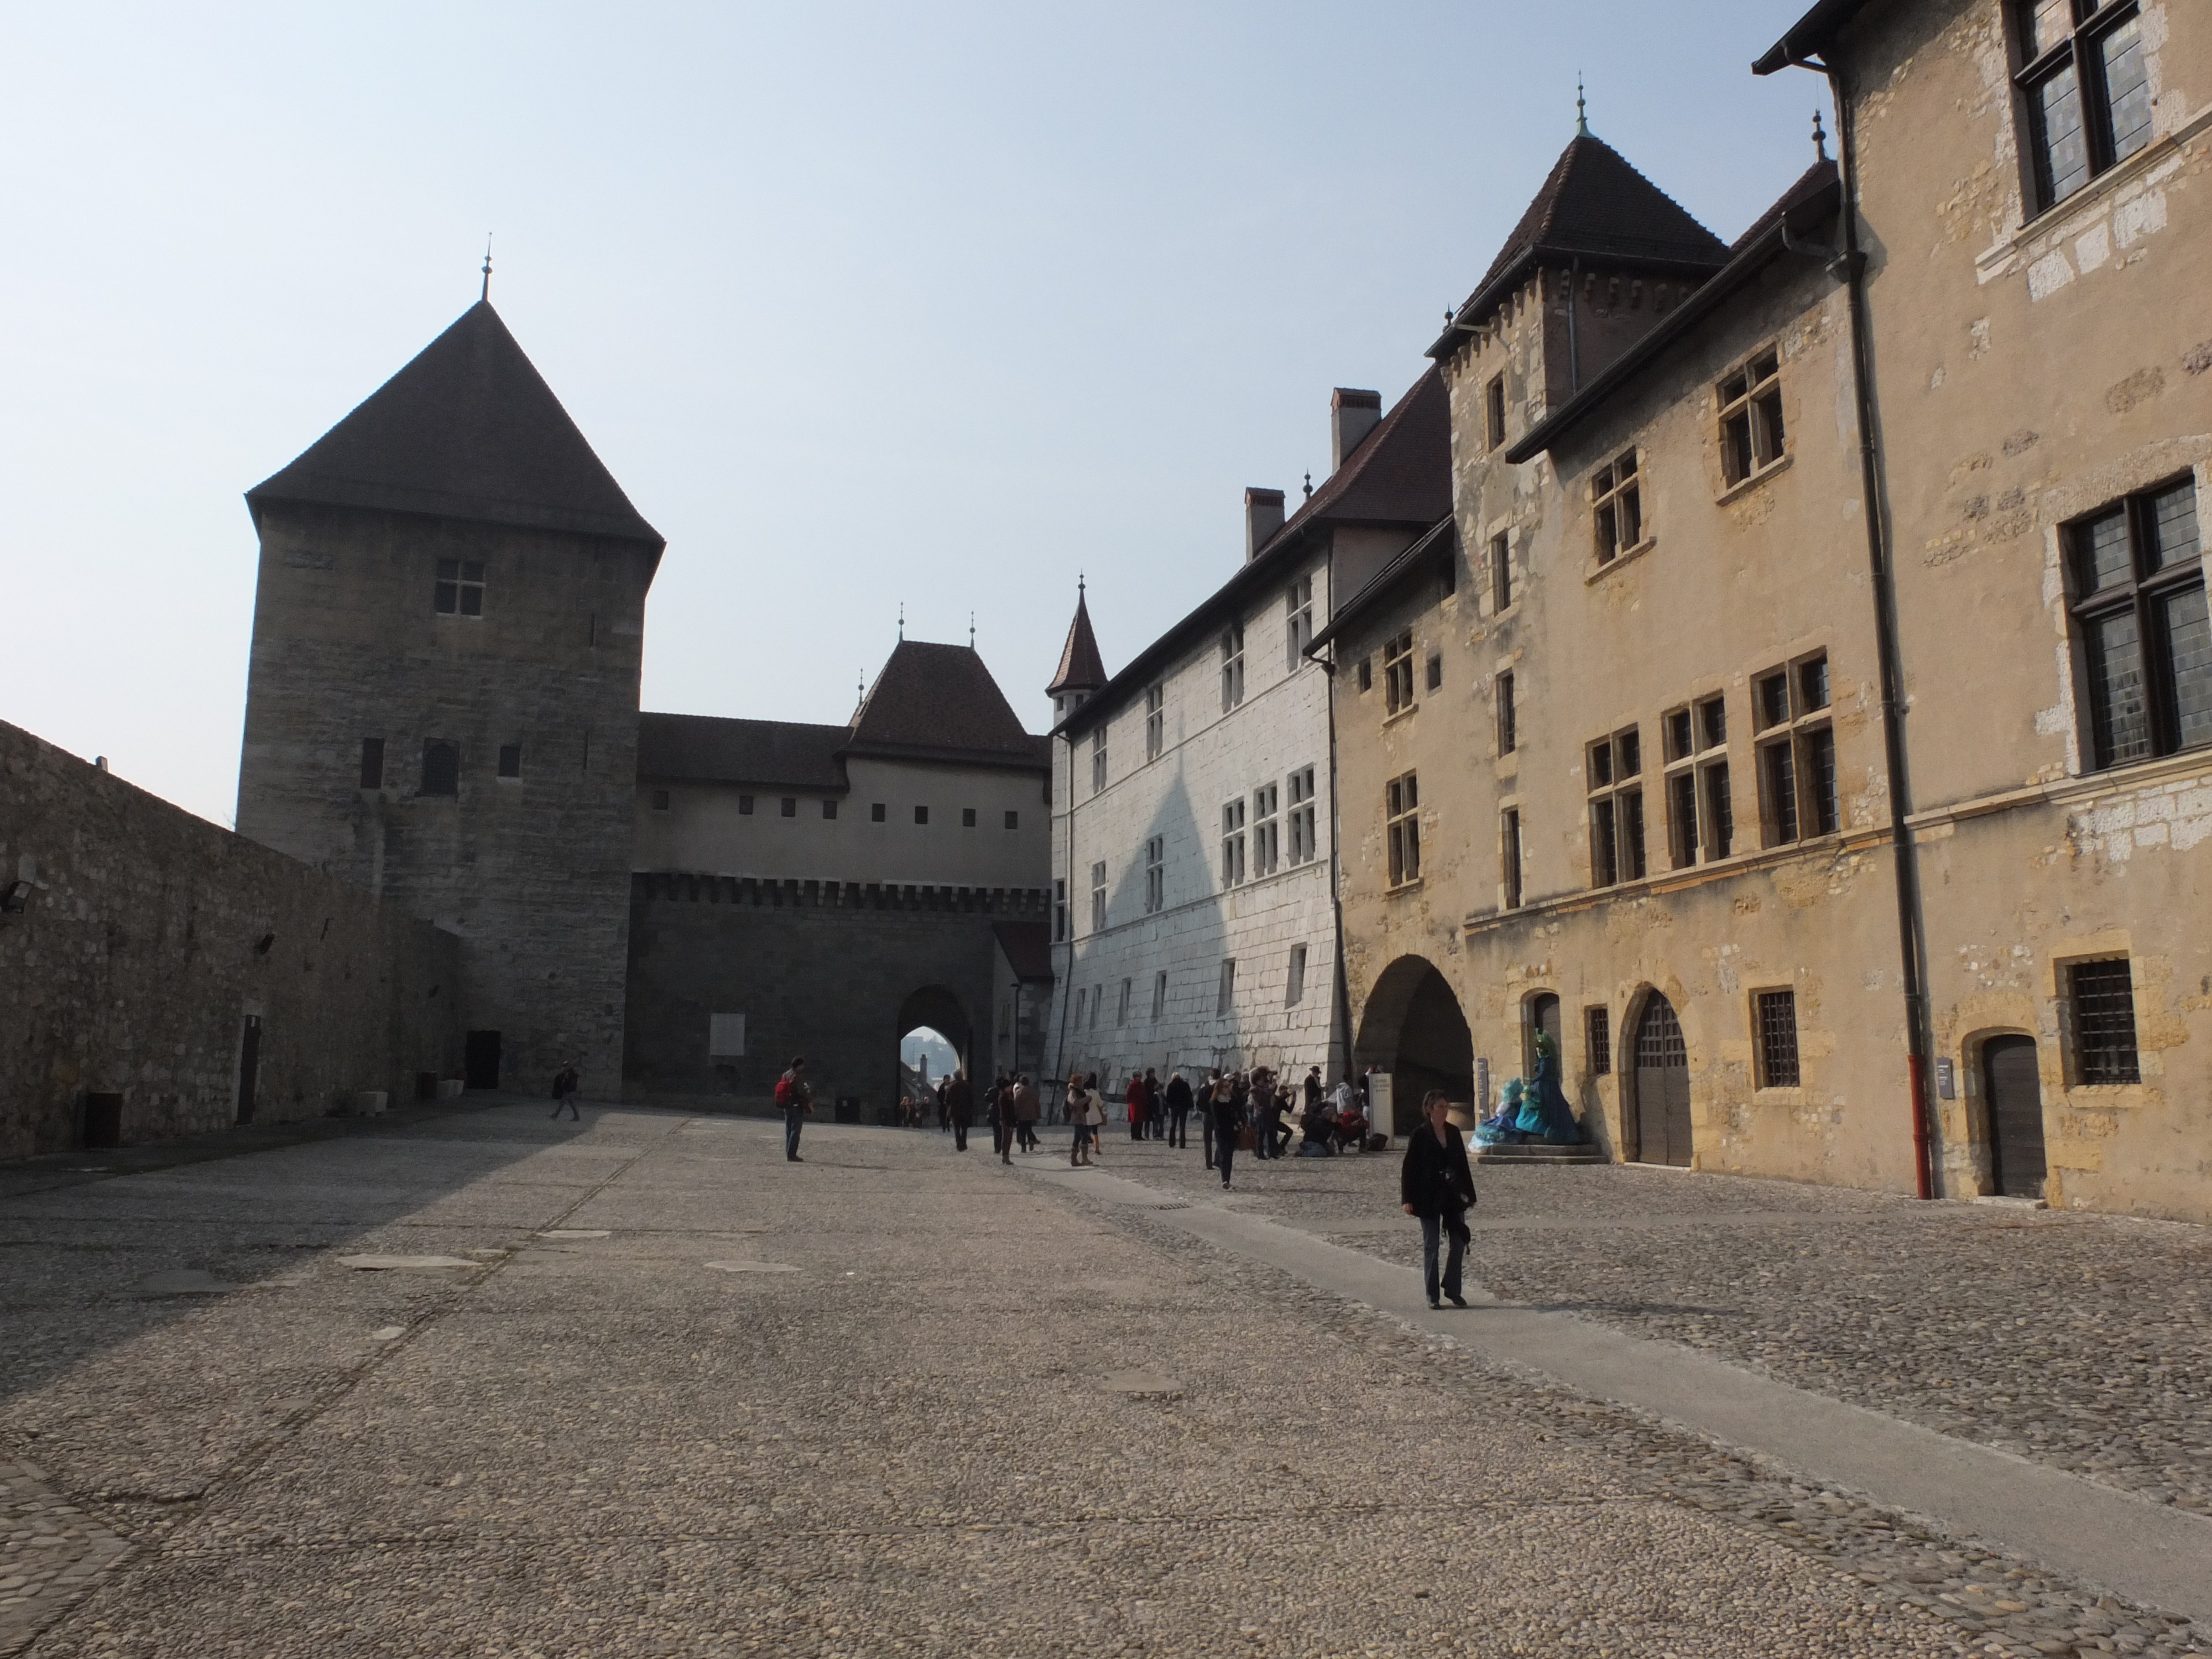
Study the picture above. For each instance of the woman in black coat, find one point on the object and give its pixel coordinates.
(1437, 1185)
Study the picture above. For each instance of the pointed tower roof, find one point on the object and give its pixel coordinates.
(469, 430)
(940, 698)
(1594, 205)
(1081, 668)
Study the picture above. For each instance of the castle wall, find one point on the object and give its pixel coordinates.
(139, 955)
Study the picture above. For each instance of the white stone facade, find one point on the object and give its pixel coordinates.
(1157, 829)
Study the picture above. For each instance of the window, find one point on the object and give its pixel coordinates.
(1401, 818)
(1226, 999)
(1295, 991)
(1597, 1040)
(2103, 999)
(1075, 1024)
(1232, 844)
(460, 588)
(1508, 849)
(1751, 418)
(1508, 730)
(877, 812)
(1232, 667)
(1615, 768)
(1013, 820)
(2086, 88)
(789, 807)
(660, 800)
(442, 767)
(745, 806)
(1398, 673)
(1618, 500)
(1432, 675)
(1121, 1009)
(1097, 1007)
(1160, 995)
(967, 816)
(1366, 674)
(510, 760)
(371, 762)
(1156, 722)
(1058, 910)
(2146, 642)
(1266, 843)
(921, 815)
(1501, 573)
(1700, 817)
(1098, 896)
(829, 809)
(1298, 632)
(1797, 752)
(1778, 1039)
(1494, 412)
(1156, 875)
(1097, 759)
(1305, 841)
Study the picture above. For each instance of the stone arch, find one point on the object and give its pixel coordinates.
(942, 1011)
(1413, 1028)
(1636, 1144)
(1981, 1131)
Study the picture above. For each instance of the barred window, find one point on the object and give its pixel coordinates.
(1597, 1023)
(1616, 808)
(1401, 804)
(2103, 1002)
(2139, 610)
(1778, 1039)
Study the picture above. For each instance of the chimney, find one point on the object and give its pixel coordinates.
(1263, 517)
(1352, 416)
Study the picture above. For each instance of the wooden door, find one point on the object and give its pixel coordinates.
(1543, 1016)
(2011, 1088)
(1663, 1087)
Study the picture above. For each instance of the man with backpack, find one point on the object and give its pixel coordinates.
(795, 1100)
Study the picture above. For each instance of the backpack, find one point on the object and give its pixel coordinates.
(785, 1096)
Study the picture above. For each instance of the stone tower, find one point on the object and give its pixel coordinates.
(443, 697)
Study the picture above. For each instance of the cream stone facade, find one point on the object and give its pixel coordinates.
(1799, 828)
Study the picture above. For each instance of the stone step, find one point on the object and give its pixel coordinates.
(1540, 1151)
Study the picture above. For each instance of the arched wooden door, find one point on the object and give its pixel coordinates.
(1663, 1087)
(2011, 1088)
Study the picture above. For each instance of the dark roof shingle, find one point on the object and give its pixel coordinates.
(1028, 946)
(706, 749)
(470, 431)
(939, 697)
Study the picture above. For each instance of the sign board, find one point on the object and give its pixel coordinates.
(1947, 1079)
(1381, 1114)
(726, 1037)
(1482, 1086)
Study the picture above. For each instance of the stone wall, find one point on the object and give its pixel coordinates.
(148, 939)
(836, 971)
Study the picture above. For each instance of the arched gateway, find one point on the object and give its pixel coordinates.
(1412, 1028)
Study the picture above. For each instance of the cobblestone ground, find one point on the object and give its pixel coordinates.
(2079, 1340)
(668, 1394)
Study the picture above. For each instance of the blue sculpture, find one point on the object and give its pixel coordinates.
(1534, 1110)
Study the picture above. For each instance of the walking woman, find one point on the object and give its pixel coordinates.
(1228, 1120)
(1078, 1116)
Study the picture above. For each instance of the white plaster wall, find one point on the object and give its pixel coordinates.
(1209, 758)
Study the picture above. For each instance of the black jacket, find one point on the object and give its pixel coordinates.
(1178, 1095)
(1435, 1179)
(960, 1102)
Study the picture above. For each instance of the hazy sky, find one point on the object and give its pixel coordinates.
(862, 304)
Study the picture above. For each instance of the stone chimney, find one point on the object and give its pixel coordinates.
(1352, 416)
(1263, 517)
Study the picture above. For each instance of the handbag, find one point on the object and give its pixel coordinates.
(1248, 1138)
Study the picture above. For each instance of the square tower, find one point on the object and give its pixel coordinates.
(442, 702)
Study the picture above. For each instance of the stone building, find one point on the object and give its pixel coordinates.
(441, 707)
(1834, 844)
(1193, 831)
(825, 890)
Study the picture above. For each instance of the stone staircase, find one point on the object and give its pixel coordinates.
(1540, 1151)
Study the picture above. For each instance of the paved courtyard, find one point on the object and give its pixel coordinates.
(475, 1383)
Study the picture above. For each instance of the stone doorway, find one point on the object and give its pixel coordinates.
(1661, 1133)
(1412, 1028)
(2012, 1089)
(480, 1060)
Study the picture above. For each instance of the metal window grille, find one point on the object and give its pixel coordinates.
(2104, 1000)
(1597, 1023)
(1778, 1040)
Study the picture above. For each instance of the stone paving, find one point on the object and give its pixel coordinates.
(962, 1414)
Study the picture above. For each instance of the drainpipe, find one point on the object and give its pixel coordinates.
(1052, 903)
(1343, 987)
(1849, 266)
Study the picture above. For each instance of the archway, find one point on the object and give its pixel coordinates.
(1412, 1028)
(1659, 1105)
(933, 1008)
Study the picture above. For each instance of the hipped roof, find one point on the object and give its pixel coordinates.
(469, 430)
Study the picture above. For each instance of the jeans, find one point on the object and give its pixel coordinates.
(1025, 1134)
(793, 1117)
(959, 1137)
(1224, 1153)
(1206, 1124)
(1434, 1228)
(1081, 1144)
(1179, 1130)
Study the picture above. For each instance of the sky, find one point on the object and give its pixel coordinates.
(866, 305)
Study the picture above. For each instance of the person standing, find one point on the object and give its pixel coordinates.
(565, 1083)
(1155, 1110)
(1002, 1117)
(1178, 1105)
(1436, 1184)
(1216, 1088)
(959, 1108)
(1228, 1115)
(796, 1098)
(1026, 1108)
(1079, 1118)
(1134, 1099)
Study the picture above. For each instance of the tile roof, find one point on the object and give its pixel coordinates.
(469, 430)
(706, 749)
(940, 698)
(1081, 668)
(1592, 206)
(1028, 945)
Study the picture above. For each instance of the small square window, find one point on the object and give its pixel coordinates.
(460, 588)
(1501, 573)
(1435, 673)
(1013, 820)
(966, 818)
(829, 809)
(745, 806)
(877, 813)
(1367, 673)
(660, 800)
(921, 815)
(510, 760)
(790, 808)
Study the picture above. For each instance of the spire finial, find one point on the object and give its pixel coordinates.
(1820, 138)
(971, 630)
(1581, 108)
(487, 268)
(1309, 486)
(902, 621)
(1079, 587)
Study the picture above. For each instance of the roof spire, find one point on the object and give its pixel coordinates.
(486, 296)
(902, 620)
(1081, 669)
(1581, 108)
(1820, 138)
(1309, 486)
(971, 630)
